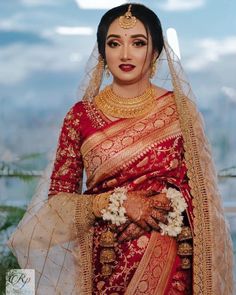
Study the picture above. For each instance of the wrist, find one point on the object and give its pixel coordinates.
(115, 211)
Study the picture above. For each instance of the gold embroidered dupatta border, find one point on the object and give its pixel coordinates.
(213, 255)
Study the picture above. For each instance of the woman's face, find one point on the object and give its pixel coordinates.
(128, 53)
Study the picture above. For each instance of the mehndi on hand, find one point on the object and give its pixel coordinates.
(129, 231)
(147, 210)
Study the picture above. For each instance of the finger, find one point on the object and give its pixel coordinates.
(160, 196)
(143, 225)
(139, 232)
(159, 215)
(124, 236)
(123, 226)
(151, 193)
(129, 233)
(138, 193)
(133, 231)
(153, 223)
(163, 206)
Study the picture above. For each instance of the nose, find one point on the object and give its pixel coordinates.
(125, 54)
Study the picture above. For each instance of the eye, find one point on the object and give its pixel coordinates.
(139, 43)
(113, 43)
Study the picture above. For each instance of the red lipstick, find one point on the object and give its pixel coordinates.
(126, 67)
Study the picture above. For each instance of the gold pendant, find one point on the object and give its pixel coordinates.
(185, 263)
(106, 270)
(107, 239)
(185, 249)
(107, 255)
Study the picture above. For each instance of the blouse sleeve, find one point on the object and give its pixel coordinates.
(68, 167)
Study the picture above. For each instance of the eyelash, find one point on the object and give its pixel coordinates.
(112, 44)
(136, 43)
(140, 43)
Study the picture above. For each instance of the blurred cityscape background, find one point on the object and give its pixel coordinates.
(44, 45)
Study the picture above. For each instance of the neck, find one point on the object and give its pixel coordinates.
(130, 90)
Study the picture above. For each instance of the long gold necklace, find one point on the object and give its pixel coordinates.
(121, 107)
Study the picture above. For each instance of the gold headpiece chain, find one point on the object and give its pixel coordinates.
(127, 21)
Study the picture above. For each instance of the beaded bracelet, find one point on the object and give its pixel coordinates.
(115, 212)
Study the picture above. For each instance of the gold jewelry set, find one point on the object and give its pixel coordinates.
(120, 107)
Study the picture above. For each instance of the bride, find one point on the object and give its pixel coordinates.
(151, 219)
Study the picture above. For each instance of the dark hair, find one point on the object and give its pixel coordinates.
(141, 12)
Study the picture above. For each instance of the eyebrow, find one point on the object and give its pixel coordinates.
(132, 36)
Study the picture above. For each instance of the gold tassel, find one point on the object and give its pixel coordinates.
(107, 255)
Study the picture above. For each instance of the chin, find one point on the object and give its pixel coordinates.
(129, 79)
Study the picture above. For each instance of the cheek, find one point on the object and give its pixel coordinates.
(110, 55)
(143, 56)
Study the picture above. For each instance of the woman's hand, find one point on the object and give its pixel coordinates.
(147, 210)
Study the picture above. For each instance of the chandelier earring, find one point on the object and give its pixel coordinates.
(153, 68)
(100, 62)
(107, 72)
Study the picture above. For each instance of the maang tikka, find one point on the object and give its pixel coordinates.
(127, 21)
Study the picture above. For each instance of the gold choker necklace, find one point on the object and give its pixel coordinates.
(121, 107)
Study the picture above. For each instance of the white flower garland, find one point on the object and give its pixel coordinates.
(175, 218)
(115, 211)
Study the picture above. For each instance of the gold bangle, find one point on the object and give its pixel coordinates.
(100, 202)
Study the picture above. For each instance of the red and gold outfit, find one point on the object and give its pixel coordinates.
(58, 237)
(140, 154)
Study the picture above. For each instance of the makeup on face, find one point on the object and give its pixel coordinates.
(128, 52)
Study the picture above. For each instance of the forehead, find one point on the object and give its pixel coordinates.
(115, 28)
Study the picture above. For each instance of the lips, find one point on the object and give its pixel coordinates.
(126, 67)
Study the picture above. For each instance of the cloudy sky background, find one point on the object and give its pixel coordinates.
(44, 44)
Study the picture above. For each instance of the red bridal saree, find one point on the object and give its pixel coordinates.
(139, 154)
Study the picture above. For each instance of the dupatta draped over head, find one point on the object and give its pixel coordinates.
(55, 236)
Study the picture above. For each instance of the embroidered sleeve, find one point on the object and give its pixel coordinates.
(68, 167)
